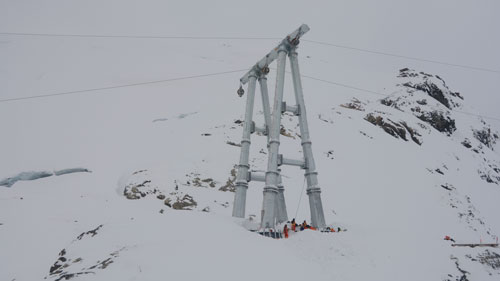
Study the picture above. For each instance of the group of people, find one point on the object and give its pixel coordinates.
(294, 226)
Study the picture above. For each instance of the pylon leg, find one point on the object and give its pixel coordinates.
(272, 174)
(280, 202)
(282, 215)
(313, 189)
(243, 167)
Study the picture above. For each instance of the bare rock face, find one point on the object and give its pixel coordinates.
(397, 130)
(428, 98)
(69, 265)
(438, 121)
(422, 104)
(486, 137)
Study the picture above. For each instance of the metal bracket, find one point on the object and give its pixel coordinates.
(291, 162)
(253, 176)
(254, 128)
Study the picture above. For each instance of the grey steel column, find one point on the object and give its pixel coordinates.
(313, 189)
(243, 167)
(272, 174)
(265, 102)
(281, 205)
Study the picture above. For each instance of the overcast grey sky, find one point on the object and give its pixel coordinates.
(454, 31)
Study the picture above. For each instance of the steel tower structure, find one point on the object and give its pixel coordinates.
(274, 207)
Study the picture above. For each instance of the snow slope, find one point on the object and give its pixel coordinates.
(387, 192)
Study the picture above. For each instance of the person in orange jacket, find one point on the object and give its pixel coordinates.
(294, 225)
(285, 231)
(449, 238)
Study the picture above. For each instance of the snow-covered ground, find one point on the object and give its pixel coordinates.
(156, 149)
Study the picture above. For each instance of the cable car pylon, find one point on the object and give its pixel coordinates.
(274, 207)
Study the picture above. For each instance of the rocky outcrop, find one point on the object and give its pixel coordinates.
(397, 130)
(428, 98)
(185, 203)
(69, 266)
(486, 137)
(438, 121)
(230, 186)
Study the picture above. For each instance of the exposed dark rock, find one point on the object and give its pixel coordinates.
(394, 130)
(329, 154)
(447, 186)
(167, 202)
(136, 191)
(464, 273)
(397, 130)
(486, 137)
(354, 104)
(439, 122)
(490, 259)
(466, 143)
(366, 135)
(66, 268)
(405, 72)
(186, 203)
(229, 186)
(233, 143)
(387, 102)
(286, 133)
(69, 276)
(489, 176)
(422, 102)
(92, 233)
(434, 92)
(413, 133)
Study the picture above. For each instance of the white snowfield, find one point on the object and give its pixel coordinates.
(397, 173)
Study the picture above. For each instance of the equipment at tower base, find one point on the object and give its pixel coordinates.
(273, 207)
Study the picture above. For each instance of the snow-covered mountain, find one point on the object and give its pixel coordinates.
(137, 183)
(399, 173)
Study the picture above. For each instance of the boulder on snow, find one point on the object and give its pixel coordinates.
(185, 203)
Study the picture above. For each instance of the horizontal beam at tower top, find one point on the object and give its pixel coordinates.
(273, 54)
